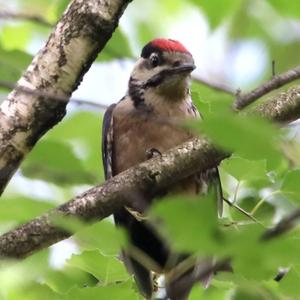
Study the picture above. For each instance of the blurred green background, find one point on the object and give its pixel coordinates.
(234, 43)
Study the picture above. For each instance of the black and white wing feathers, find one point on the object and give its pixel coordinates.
(107, 142)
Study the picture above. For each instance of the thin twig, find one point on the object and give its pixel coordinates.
(273, 68)
(215, 85)
(243, 211)
(286, 224)
(24, 16)
(243, 100)
(236, 192)
(262, 200)
(26, 90)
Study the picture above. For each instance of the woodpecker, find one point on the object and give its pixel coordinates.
(142, 123)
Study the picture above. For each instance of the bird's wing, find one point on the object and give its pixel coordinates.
(107, 142)
(213, 176)
(122, 216)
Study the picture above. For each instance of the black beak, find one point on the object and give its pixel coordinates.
(158, 78)
(183, 68)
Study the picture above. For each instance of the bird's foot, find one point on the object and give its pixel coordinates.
(137, 215)
(153, 152)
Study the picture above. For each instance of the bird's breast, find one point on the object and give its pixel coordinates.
(135, 133)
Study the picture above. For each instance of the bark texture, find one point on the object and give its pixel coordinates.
(57, 69)
(101, 201)
(276, 82)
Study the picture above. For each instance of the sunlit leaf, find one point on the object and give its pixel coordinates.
(62, 281)
(249, 136)
(107, 269)
(12, 64)
(20, 274)
(289, 285)
(216, 11)
(190, 224)
(82, 130)
(290, 185)
(102, 236)
(33, 292)
(20, 209)
(117, 47)
(291, 9)
(15, 37)
(121, 291)
(244, 169)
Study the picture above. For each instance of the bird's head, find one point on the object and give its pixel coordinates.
(164, 68)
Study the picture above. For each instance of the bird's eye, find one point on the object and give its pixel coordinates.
(154, 60)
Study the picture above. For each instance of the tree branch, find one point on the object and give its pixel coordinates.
(23, 16)
(158, 173)
(58, 68)
(50, 96)
(286, 224)
(276, 82)
(220, 87)
(101, 201)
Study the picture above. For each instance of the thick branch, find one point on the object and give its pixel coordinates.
(101, 201)
(284, 107)
(57, 69)
(276, 82)
(53, 97)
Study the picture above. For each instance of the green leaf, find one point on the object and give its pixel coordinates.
(33, 292)
(289, 285)
(19, 274)
(61, 7)
(16, 36)
(199, 293)
(248, 136)
(208, 100)
(189, 224)
(55, 161)
(107, 269)
(244, 169)
(266, 256)
(117, 47)
(286, 8)
(20, 209)
(253, 292)
(82, 130)
(216, 11)
(290, 185)
(121, 291)
(103, 236)
(12, 64)
(64, 280)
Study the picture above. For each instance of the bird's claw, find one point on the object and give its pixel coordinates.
(137, 215)
(153, 152)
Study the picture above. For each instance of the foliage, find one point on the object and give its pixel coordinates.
(262, 176)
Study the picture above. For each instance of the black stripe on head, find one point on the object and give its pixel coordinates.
(136, 92)
(149, 49)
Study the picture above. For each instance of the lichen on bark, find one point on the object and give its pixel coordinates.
(58, 69)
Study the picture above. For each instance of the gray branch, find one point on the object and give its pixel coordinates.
(156, 174)
(101, 201)
(276, 82)
(58, 69)
(53, 97)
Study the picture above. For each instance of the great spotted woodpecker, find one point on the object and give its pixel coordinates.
(158, 91)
